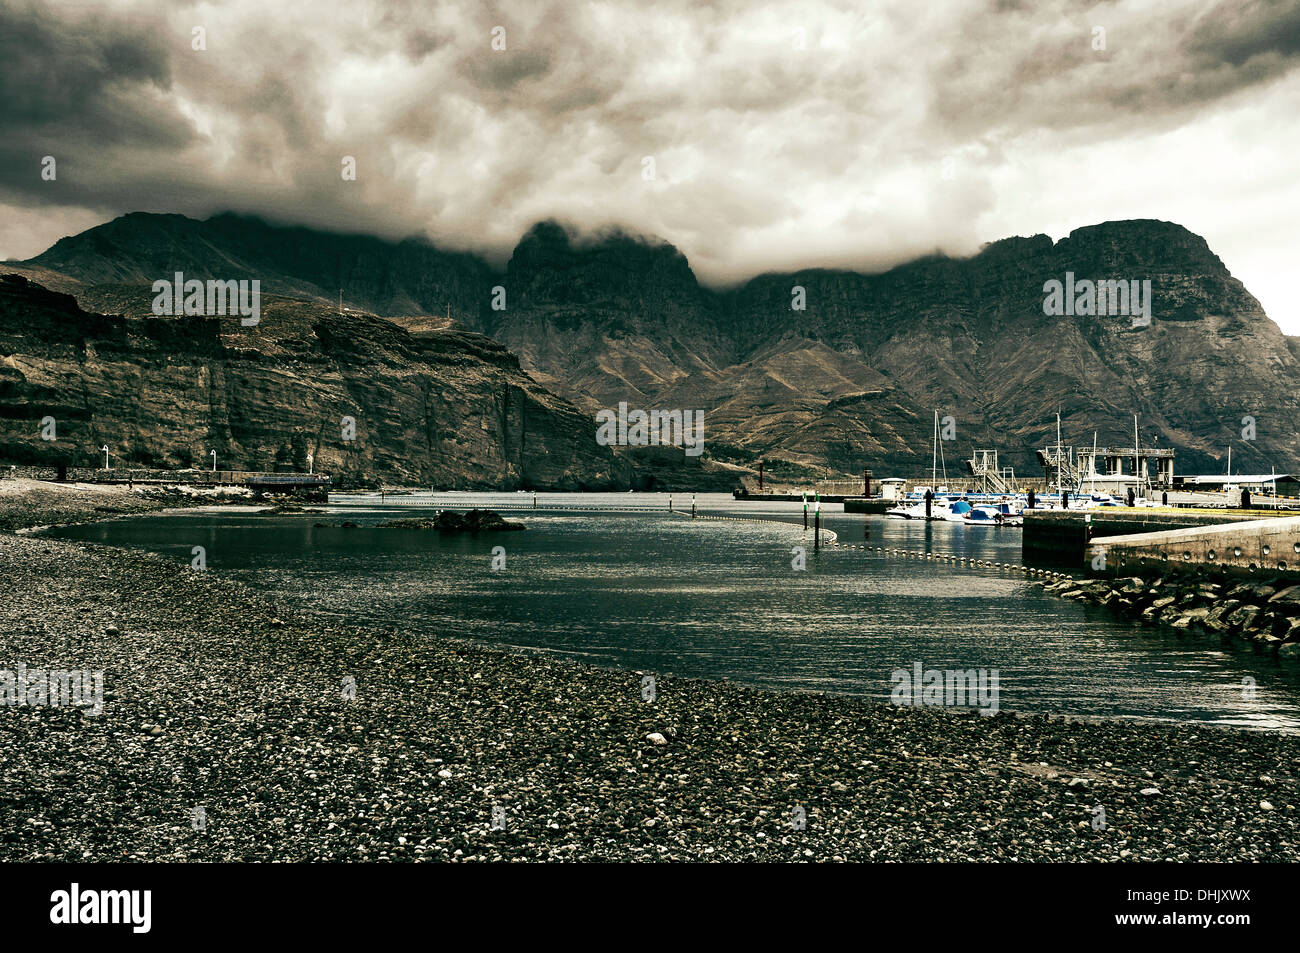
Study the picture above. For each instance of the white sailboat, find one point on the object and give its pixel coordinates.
(940, 508)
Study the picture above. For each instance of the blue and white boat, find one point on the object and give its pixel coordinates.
(956, 511)
(1002, 513)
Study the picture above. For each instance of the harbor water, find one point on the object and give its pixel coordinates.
(618, 580)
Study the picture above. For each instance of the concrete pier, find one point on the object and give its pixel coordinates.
(1269, 546)
(779, 497)
(1167, 536)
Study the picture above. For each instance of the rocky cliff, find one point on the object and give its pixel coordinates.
(443, 407)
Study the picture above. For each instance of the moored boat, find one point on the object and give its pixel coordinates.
(1003, 513)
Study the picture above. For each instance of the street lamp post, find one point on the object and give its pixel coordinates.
(310, 462)
(214, 460)
(105, 449)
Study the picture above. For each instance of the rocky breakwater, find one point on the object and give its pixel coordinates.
(1265, 614)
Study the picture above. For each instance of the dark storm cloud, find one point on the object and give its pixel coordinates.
(500, 74)
(1159, 64)
(780, 134)
(82, 83)
(1236, 32)
(419, 44)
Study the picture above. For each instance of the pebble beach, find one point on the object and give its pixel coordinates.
(238, 726)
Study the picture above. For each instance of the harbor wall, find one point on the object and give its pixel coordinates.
(1270, 546)
(1061, 537)
(1068, 538)
(861, 505)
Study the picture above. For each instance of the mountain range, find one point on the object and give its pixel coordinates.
(850, 380)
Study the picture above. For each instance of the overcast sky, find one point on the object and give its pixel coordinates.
(855, 134)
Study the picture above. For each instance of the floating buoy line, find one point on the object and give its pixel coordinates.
(829, 536)
(954, 559)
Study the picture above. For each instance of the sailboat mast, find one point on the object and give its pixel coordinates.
(1137, 469)
(1092, 466)
(934, 456)
(1059, 455)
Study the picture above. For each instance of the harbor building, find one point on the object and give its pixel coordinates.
(1279, 484)
(1109, 469)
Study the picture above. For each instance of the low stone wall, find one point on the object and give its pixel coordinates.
(32, 473)
(122, 475)
(125, 474)
(1265, 614)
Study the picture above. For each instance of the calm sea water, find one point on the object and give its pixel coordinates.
(615, 579)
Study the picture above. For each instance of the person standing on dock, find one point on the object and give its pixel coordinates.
(929, 495)
(1031, 498)
(1245, 498)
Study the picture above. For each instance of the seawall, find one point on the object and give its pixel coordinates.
(1163, 536)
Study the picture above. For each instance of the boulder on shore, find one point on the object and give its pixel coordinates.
(475, 521)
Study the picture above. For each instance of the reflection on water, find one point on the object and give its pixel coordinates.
(643, 588)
